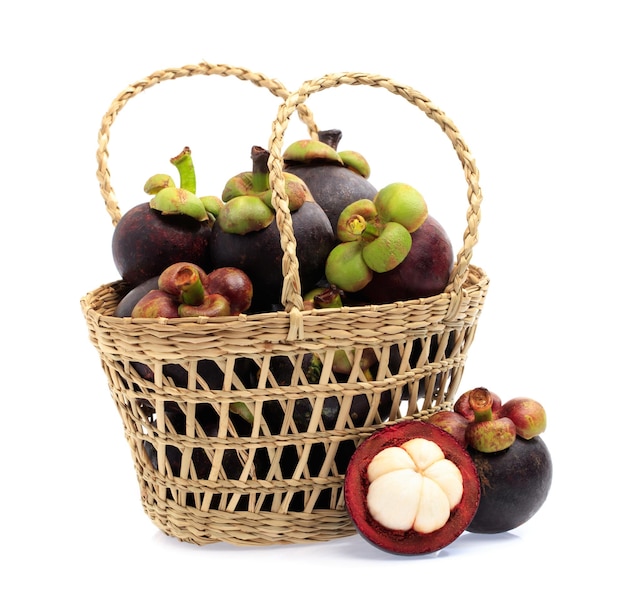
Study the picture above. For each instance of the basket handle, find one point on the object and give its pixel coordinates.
(292, 300)
(204, 68)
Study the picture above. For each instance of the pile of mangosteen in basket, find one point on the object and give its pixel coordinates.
(410, 488)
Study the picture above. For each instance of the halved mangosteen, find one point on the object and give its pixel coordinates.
(411, 488)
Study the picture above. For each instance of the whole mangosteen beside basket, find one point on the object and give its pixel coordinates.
(206, 474)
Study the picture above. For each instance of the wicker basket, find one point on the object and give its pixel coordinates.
(205, 475)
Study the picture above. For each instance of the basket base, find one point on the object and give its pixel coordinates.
(248, 528)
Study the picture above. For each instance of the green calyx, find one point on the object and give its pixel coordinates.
(379, 235)
(488, 433)
(244, 214)
(402, 204)
(212, 205)
(247, 197)
(176, 201)
(169, 199)
(356, 162)
(309, 150)
(346, 268)
(389, 249)
(324, 150)
(158, 182)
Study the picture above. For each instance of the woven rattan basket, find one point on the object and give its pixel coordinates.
(204, 475)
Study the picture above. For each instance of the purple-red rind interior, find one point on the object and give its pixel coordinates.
(410, 542)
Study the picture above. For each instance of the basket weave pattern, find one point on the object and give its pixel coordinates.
(205, 474)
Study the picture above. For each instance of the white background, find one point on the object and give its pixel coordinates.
(536, 89)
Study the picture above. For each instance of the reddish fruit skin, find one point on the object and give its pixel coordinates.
(491, 436)
(514, 485)
(410, 542)
(156, 304)
(213, 306)
(125, 307)
(453, 423)
(145, 242)
(232, 283)
(463, 407)
(528, 415)
(423, 273)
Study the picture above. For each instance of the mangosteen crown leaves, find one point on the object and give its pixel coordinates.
(244, 214)
(309, 150)
(169, 199)
(402, 204)
(249, 183)
(492, 426)
(413, 486)
(381, 231)
(251, 195)
(324, 150)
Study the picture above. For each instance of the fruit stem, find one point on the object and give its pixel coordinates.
(188, 281)
(260, 169)
(239, 408)
(184, 163)
(481, 402)
(330, 137)
(358, 226)
(314, 370)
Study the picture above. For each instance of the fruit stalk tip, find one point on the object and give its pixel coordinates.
(481, 402)
(184, 164)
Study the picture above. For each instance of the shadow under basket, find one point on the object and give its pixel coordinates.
(240, 437)
(240, 427)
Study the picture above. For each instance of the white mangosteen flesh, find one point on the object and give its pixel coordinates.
(413, 487)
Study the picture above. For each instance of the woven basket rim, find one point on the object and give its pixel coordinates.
(476, 280)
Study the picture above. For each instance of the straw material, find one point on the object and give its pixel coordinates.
(206, 474)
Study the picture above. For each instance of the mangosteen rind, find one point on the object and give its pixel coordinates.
(514, 485)
(410, 542)
(259, 254)
(146, 241)
(333, 186)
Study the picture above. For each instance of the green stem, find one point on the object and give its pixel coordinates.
(314, 370)
(184, 164)
(370, 232)
(481, 402)
(191, 288)
(239, 408)
(330, 137)
(260, 169)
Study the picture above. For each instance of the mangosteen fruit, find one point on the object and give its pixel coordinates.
(382, 237)
(246, 234)
(512, 461)
(423, 273)
(515, 483)
(173, 226)
(145, 242)
(335, 179)
(282, 371)
(206, 420)
(126, 304)
(411, 488)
